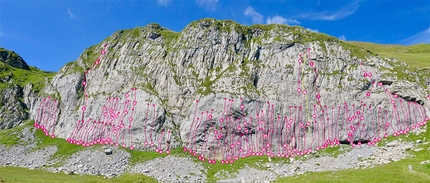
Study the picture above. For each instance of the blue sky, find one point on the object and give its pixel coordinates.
(50, 33)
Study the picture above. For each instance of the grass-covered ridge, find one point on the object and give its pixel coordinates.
(10, 75)
(415, 55)
(13, 59)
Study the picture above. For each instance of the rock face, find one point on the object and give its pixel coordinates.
(17, 91)
(165, 72)
(12, 59)
(12, 110)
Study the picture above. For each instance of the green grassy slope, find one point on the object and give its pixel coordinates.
(15, 174)
(415, 55)
(23, 77)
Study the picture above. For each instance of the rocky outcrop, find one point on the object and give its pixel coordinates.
(19, 88)
(211, 61)
(12, 109)
(12, 59)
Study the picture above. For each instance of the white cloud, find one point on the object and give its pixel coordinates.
(281, 20)
(108, 7)
(71, 15)
(342, 37)
(163, 2)
(256, 17)
(332, 15)
(421, 37)
(312, 30)
(208, 4)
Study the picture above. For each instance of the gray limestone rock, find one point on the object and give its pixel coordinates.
(214, 61)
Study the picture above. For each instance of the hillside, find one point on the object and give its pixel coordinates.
(415, 55)
(18, 81)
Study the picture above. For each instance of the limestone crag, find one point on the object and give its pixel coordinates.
(12, 109)
(210, 60)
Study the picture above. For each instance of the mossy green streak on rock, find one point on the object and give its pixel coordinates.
(169, 36)
(205, 87)
(73, 67)
(90, 56)
(148, 87)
